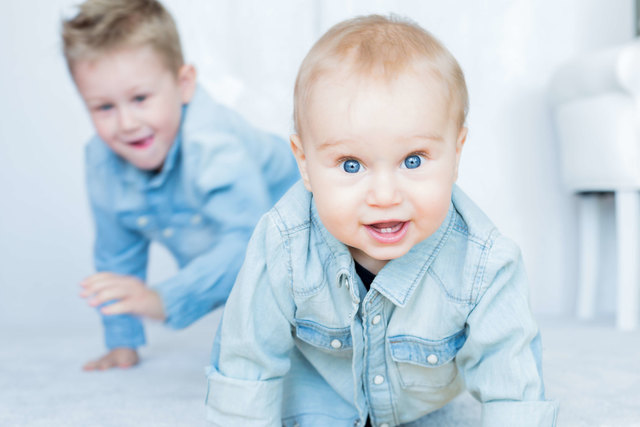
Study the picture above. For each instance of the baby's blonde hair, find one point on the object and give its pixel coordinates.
(101, 26)
(382, 46)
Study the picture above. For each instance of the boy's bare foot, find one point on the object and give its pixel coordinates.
(117, 358)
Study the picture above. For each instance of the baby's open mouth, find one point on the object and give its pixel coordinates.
(387, 227)
(389, 231)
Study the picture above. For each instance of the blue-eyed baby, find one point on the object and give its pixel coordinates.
(376, 291)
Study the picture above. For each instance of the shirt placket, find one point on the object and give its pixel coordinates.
(375, 374)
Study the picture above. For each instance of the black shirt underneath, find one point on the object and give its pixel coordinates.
(365, 275)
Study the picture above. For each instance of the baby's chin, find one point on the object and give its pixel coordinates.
(375, 260)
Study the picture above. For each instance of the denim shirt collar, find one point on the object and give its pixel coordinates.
(399, 277)
(149, 179)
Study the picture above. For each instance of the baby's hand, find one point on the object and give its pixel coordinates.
(130, 295)
(117, 358)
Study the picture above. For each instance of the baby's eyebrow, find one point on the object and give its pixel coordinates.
(429, 137)
(332, 143)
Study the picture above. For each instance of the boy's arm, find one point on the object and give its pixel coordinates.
(251, 351)
(233, 196)
(501, 360)
(121, 251)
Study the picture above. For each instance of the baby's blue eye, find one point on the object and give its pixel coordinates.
(412, 162)
(351, 166)
(140, 98)
(105, 107)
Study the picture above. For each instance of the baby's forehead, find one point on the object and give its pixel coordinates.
(344, 84)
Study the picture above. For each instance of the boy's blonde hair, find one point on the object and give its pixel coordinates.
(103, 25)
(381, 46)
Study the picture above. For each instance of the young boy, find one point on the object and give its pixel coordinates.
(168, 165)
(376, 291)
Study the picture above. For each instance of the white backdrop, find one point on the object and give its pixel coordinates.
(247, 55)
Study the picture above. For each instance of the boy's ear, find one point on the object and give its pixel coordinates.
(301, 159)
(462, 138)
(187, 82)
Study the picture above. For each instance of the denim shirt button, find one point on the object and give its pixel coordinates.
(432, 359)
(196, 219)
(142, 221)
(376, 319)
(336, 344)
(378, 379)
(384, 425)
(167, 232)
(343, 280)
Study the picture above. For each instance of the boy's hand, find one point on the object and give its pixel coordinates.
(130, 293)
(117, 358)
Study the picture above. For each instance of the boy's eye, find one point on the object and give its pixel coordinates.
(140, 98)
(351, 166)
(104, 107)
(412, 162)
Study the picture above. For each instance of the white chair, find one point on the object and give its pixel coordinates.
(596, 107)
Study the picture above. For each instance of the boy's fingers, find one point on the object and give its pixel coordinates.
(110, 293)
(97, 277)
(120, 307)
(108, 282)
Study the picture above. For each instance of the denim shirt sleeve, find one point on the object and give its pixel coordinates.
(501, 359)
(233, 195)
(251, 352)
(117, 250)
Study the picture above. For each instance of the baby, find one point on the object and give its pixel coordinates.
(375, 291)
(169, 165)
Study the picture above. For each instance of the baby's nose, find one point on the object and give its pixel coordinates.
(383, 190)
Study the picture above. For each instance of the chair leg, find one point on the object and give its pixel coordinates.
(589, 259)
(627, 208)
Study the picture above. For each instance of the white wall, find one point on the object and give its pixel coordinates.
(247, 55)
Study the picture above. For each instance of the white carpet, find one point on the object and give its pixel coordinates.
(591, 369)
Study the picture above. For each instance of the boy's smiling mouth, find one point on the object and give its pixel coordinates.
(141, 143)
(388, 231)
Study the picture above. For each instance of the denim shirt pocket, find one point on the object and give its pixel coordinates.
(425, 363)
(336, 341)
(193, 233)
(144, 222)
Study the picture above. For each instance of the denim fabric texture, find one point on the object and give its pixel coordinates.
(220, 176)
(302, 343)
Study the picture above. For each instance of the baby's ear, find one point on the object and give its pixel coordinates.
(462, 138)
(187, 82)
(301, 159)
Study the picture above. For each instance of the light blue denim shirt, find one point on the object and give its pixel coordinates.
(218, 179)
(302, 343)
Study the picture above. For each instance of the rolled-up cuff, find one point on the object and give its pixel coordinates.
(519, 413)
(123, 330)
(232, 402)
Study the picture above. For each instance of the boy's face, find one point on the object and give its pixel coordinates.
(135, 102)
(381, 159)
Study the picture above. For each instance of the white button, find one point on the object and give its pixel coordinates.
(433, 359)
(142, 221)
(378, 379)
(336, 344)
(376, 319)
(196, 219)
(384, 425)
(167, 232)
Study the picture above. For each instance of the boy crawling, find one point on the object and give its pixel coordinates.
(375, 291)
(168, 164)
